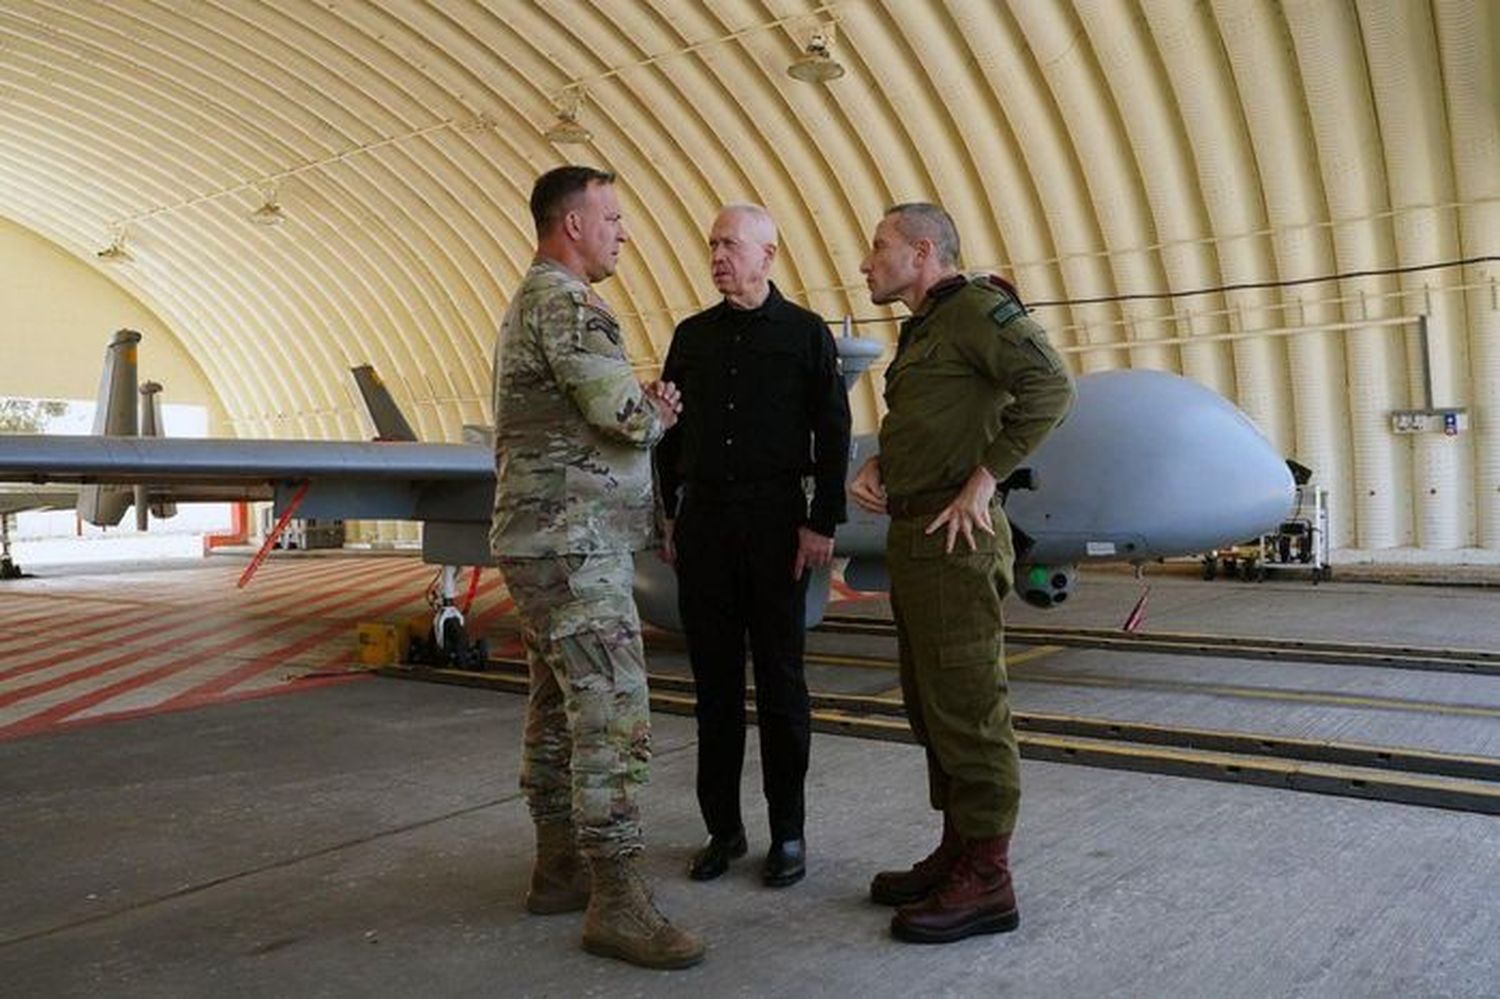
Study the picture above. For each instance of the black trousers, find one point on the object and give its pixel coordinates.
(734, 576)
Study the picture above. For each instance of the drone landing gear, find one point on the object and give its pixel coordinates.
(447, 642)
(8, 567)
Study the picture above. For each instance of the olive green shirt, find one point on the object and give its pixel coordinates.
(974, 382)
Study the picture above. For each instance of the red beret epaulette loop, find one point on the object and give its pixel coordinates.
(1003, 285)
(946, 287)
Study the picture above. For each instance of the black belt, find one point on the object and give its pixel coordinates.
(920, 504)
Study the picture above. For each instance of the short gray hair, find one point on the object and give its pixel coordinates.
(923, 220)
(763, 220)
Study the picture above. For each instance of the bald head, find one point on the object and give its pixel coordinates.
(742, 247)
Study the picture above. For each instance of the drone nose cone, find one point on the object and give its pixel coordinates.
(1252, 491)
(1157, 464)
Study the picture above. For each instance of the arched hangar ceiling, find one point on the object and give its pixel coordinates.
(1190, 177)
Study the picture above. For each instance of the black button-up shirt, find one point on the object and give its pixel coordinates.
(762, 402)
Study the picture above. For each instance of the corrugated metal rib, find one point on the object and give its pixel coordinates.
(1091, 148)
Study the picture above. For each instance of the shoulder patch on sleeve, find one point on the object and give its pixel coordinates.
(601, 323)
(1006, 311)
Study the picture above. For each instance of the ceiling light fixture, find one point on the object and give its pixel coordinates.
(818, 64)
(269, 213)
(269, 183)
(115, 252)
(566, 130)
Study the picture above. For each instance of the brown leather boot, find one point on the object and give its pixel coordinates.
(559, 877)
(917, 882)
(977, 897)
(623, 921)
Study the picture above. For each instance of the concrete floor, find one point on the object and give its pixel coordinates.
(368, 839)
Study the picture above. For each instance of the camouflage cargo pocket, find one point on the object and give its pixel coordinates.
(599, 588)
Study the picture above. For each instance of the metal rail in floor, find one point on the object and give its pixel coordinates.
(1213, 688)
(1440, 780)
(1471, 661)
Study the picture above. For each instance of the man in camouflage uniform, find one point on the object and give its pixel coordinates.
(573, 500)
(973, 389)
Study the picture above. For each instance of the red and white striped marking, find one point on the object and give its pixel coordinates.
(76, 650)
(843, 593)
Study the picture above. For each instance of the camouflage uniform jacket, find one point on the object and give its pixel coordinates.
(573, 426)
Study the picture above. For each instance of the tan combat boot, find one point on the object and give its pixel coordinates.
(559, 877)
(623, 921)
(923, 877)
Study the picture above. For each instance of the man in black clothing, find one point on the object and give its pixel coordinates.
(763, 407)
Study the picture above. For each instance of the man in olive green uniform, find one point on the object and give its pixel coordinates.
(573, 501)
(973, 389)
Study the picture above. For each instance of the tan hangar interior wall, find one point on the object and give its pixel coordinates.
(1185, 176)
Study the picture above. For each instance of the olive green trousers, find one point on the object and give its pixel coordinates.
(949, 628)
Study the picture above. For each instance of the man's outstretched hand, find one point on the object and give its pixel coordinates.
(667, 399)
(969, 509)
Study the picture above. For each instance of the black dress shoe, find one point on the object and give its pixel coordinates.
(714, 858)
(786, 863)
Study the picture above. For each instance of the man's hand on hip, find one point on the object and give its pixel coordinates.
(866, 488)
(969, 509)
(814, 550)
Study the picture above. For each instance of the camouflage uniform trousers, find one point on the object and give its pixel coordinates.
(949, 629)
(588, 720)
